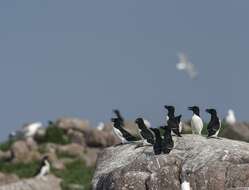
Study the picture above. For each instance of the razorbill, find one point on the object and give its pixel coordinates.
(214, 125)
(230, 118)
(146, 134)
(173, 122)
(157, 147)
(44, 168)
(167, 142)
(124, 136)
(196, 121)
(179, 120)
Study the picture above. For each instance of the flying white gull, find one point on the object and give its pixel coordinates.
(185, 65)
(230, 118)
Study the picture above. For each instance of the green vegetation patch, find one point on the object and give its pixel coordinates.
(54, 135)
(5, 146)
(22, 170)
(76, 173)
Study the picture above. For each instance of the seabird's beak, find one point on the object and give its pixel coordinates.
(207, 110)
(190, 108)
(166, 107)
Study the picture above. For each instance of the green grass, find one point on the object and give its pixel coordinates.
(76, 173)
(22, 170)
(6, 145)
(54, 135)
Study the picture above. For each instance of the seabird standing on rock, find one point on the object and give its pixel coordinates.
(196, 121)
(167, 142)
(173, 122)
(230, 118)
(124, 136)
(44, 168)
(214, 125)
(146, 134)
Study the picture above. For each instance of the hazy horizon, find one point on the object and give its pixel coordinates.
(85, 58)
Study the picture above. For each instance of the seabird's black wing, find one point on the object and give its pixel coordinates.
(157, 147)
(213, 126)
(39, 169)
(148, 135)
(127, 135)
(167, 142)
(174, 125)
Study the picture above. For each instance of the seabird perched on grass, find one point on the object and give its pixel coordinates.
(214, 125)
(146, 134)
(230, 118)
(44, 168)
(196, 121)
(173, 122)
(167, 142)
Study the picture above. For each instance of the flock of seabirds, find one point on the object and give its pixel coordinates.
(162, 144)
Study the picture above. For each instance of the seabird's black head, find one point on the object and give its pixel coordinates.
(211, 111)
(171, 110)
(140, 122)
(195, 109)
(45, 158)
(117, 122)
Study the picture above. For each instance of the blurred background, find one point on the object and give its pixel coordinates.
(84, 58)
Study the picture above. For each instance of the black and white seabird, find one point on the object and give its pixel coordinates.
(196, 121)
(167, 142)
(173, 122)
(214, 125)
(145, 133)
(157, 147)
(124, 136)
(44, 168)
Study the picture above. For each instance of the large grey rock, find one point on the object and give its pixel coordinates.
(239, 131)
(22, 152)
(207, 164)
(68, 123)
(48, 183)
(7, 178)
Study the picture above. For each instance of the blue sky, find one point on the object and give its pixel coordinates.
(84, 58)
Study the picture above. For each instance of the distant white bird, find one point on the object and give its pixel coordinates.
(185, 65)
(230, 118)
(100, 126)
(31, 129)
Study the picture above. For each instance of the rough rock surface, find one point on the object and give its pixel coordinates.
(67, 123)
(239, 131)
(207, 164)
(48, 183)
(8, 178)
